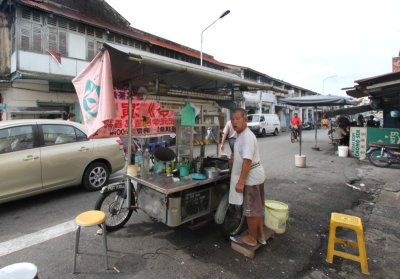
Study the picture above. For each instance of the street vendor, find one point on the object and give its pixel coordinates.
(228, 134)
(247, 180)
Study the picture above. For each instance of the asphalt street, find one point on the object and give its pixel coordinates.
(146, 249)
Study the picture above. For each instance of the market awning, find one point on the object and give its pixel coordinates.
(350, 110)
(159, 74)
(318, 100)
(315, 101)
(382, 90)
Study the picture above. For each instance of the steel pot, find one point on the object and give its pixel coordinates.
(211, 172)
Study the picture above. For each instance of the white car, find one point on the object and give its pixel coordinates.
(42, 155)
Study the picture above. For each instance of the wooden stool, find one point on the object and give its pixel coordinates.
(89, 219)
(353, 223)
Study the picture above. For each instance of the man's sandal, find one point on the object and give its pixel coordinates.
(237, 239)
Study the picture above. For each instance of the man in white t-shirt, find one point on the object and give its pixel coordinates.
(247, 180)
(230, 134)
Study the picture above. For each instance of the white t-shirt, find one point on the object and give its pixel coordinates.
(246, 147)
(228, 129)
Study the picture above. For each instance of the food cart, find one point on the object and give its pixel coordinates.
(171, 200)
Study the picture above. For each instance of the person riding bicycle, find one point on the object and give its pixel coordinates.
(295, 123)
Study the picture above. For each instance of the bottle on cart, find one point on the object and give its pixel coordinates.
(144, 172)
(138, 159)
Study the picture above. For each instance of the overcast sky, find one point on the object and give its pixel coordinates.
(298, 41)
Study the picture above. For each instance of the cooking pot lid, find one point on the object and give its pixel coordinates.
(164, 154)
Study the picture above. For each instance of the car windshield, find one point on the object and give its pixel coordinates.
(253, 118)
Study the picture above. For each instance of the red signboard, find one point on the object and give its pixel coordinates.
(147, 118)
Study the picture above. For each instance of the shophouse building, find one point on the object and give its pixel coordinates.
(45, 44)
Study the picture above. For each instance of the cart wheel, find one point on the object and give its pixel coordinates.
(234, 220)
(113, 203)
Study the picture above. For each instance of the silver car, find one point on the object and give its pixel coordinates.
(41, 155)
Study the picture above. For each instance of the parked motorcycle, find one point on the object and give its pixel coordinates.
(307, 126)
(383, 155)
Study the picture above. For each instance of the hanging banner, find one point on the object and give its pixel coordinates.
(147, 118)
(94, 87)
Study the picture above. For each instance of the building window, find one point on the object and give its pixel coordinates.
(99, 33)
(72, 26)
(81, 28)
(58, 41)
(90, 50)
(90, 31)
(25, 36)
(37, 38)
(118, 39)
(31, 37)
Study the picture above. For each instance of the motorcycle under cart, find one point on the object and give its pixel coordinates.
(173, 201)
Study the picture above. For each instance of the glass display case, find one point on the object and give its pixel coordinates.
(202, 135)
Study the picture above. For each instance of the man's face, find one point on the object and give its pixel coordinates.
(239, 122)
(295, 115)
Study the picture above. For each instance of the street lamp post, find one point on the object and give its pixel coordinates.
(201, 43)
(323, 83)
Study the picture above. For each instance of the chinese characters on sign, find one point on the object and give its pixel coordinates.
(147, 118)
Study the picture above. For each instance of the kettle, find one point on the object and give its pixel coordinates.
(183, 169)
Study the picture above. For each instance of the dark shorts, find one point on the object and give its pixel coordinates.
(253, 200)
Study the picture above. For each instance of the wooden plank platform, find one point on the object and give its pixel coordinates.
(250, 251)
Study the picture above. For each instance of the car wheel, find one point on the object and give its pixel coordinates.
(276, 132)
(96, 176)
(263, 133)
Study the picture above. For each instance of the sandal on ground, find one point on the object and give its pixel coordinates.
(262, 241)
(237, 239)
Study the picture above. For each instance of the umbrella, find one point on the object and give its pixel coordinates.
(315, 101)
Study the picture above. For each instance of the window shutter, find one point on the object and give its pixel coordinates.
(53, 39)
(90, 50)
(37, 39)
(36, 16)
(62, 43)
(62, 23)
(72, 26)
(51, 21)
(25, 36)
(26, 13)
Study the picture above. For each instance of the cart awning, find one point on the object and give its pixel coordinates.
(148, 69)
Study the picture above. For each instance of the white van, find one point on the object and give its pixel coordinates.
(262, 124)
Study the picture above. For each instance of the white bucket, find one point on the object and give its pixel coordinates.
(276, 215)
(343, 151)
(300, 161)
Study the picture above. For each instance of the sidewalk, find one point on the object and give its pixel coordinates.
(381, 220)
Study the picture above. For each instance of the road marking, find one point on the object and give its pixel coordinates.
(31, 239)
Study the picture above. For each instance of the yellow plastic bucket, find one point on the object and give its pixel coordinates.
(276, 215)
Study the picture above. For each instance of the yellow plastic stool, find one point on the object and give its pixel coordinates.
(353, 223)
(89, 219)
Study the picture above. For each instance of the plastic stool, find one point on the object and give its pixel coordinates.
(89, 219)
(19, 271)
(353, 223)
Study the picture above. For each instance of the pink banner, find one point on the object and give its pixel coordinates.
(147, 118)
(94, 87)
